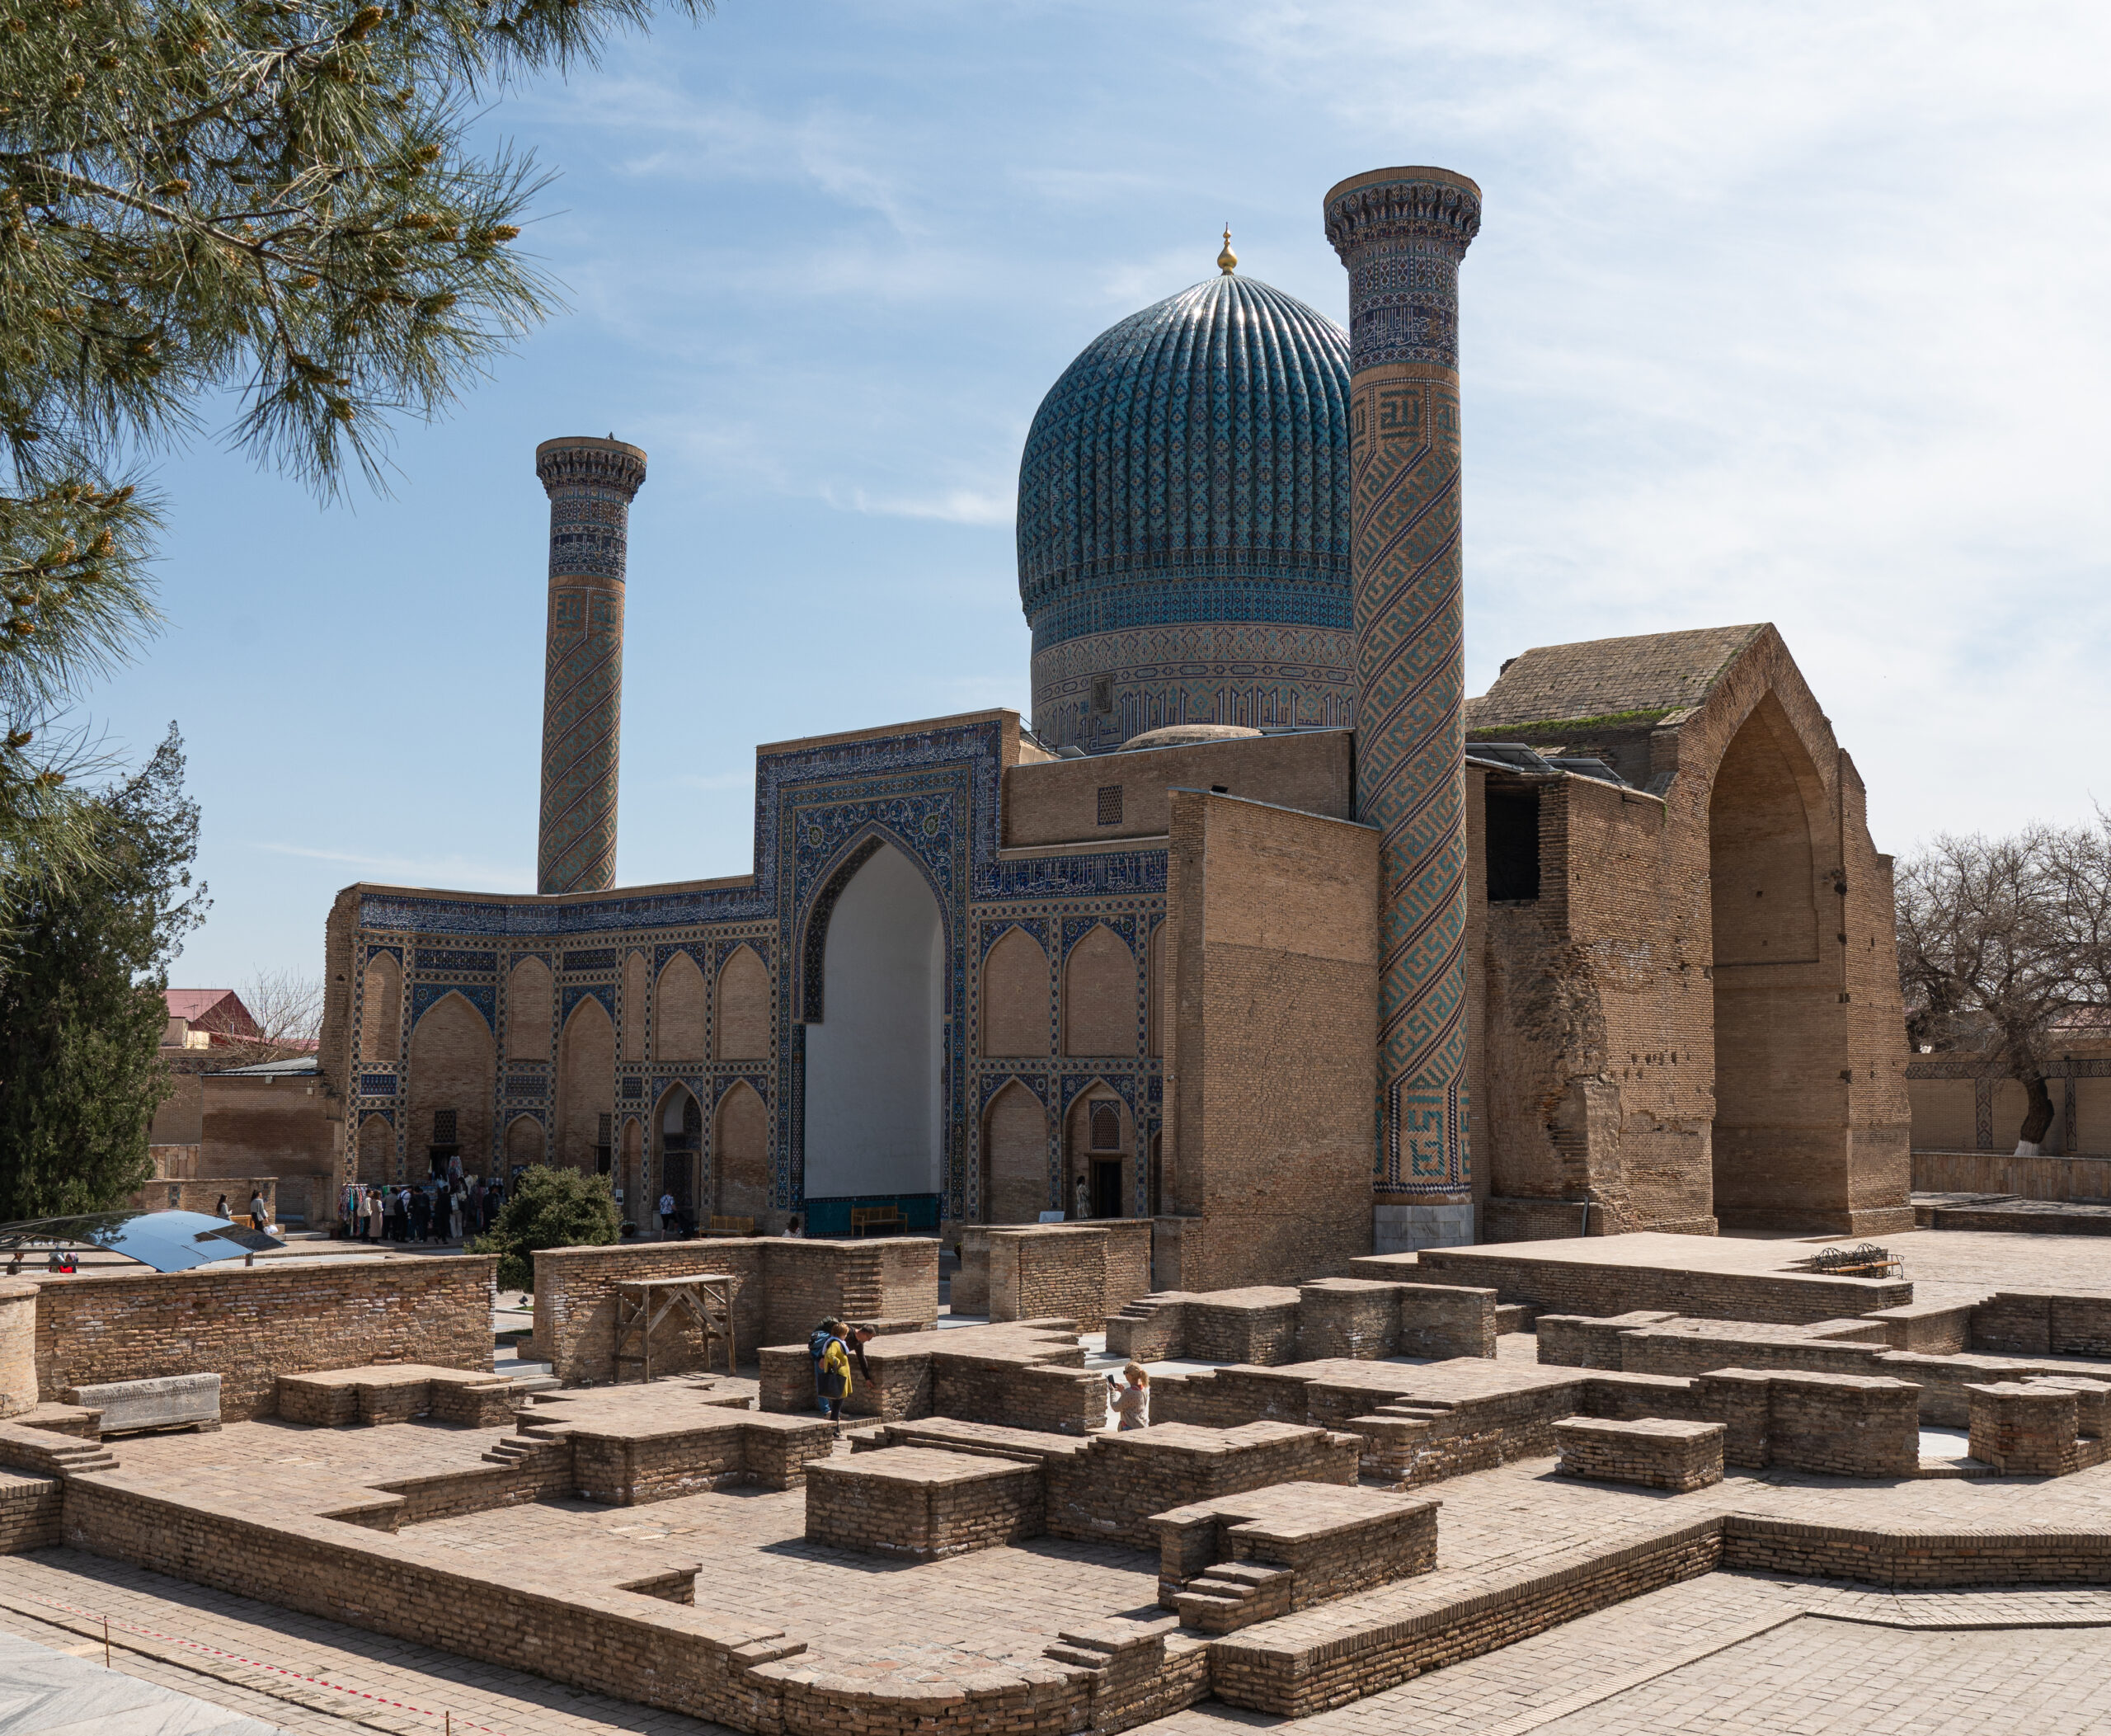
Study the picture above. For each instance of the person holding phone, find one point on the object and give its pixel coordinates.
(1132, 1403)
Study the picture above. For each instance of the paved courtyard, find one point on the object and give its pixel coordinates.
(1724, 1653)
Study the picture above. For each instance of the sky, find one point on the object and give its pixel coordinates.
(1792, 312)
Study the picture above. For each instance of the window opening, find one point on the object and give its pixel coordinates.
(1110, 804)
(1106, 1127)
(1513, 844)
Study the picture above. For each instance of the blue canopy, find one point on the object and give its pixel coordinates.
(168, 1241)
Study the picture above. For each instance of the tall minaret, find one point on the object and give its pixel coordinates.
(1401, 233)
(590, 483)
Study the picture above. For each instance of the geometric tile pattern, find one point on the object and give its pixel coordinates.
(1189, 468)
(591, 485)
(1402, 235)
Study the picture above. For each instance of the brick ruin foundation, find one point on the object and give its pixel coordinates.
(1280, 1538)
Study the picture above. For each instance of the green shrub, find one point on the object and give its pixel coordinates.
(547, 1208)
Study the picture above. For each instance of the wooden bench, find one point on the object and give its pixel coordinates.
(732, 1226)
(876, 1220)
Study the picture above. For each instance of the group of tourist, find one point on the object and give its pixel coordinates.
(446, 1210)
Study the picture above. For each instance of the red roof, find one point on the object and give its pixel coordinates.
(211, 1009)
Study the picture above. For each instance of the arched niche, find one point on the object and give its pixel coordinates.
(1015, 996)
(1154, 991)
(874, 1120)
(739, 1148)
(678, 1024)
(453, 1074)
(527, 1143)
(1014, 1157)
(527, 1001)
(1099, 996)
(377, 1151)
(679, 1132)
(637, 987)
(586, 1087)
(381, 1009)
(1096, 1142)
(743, 1006)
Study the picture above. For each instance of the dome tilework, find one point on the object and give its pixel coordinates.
(1192, 465)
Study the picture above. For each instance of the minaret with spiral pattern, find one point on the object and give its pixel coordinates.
(590, 483)
(1401, 233)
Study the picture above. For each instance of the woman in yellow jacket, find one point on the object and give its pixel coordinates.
(834, 1376)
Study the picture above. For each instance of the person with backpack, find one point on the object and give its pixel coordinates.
(831, 1369)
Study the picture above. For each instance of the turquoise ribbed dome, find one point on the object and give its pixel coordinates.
(1192, 465)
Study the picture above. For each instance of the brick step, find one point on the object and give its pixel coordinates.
(1085, 1658)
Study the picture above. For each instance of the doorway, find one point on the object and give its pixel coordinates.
(1106, 1187)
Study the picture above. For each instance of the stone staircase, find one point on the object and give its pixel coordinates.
(1233, 1594)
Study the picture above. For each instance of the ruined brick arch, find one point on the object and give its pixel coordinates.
(1780, 1034)
(381, 1009)
(679, 1022)
(743, 1006)
(377, 1150)
(638, 985)
(1099, 1138)
(1764, 807)
(586, 1085)
(526, 1142)
(1099, 996)
(1015, 996)
(527, 1001)
(454, 1069)
(1014, 1157)
(740, 1152)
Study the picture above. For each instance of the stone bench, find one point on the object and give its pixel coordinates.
(920, 1503)
(167, 1401)
(1652, 1451)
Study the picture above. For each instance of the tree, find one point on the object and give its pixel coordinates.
(1999, 939)
(81, 975)
(547, 1208)
(286, 1008)
(269, 201)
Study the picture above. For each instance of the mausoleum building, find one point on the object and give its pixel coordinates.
(1259, 929)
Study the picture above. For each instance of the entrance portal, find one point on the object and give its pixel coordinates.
(875, 1121)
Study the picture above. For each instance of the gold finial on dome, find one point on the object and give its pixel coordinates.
(1227, 259)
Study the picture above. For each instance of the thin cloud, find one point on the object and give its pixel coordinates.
(445, 871)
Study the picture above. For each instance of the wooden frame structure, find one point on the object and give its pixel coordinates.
(706, 1298)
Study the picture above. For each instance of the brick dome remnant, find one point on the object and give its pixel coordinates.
(590, 483)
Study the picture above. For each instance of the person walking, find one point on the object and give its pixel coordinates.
(666, 1217)
(1132, 1403)
(1085, 1199)
(260, 1214)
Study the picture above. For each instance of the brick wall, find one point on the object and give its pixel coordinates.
(1257, 1325)
(30, 1511)
(1048, 1272)
(1268, 1119)
(783, 1288)
(1108, 1493)
(1347, 1317)
(249, 1324)
(2041, 1323)
(1446, 1321)
(922, 1504)
(1571, 1286)
(18, 1378)
(1657, 1453)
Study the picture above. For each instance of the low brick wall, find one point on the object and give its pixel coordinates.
(782, 1288)
(1356, 1318)
(1658, 1453)
(2041, 1323)
(1257, 1325)
(1108, 1493)
(921, 1503)
(1446, 1321)
(732, 1446)
(1916, 1560)
(1049, 1270)
(30, 1509)
(338, 1398)
(250, 1325)
(1367, 1655)
(2033, 1428)
(967, 1292)
(1576, 1287)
